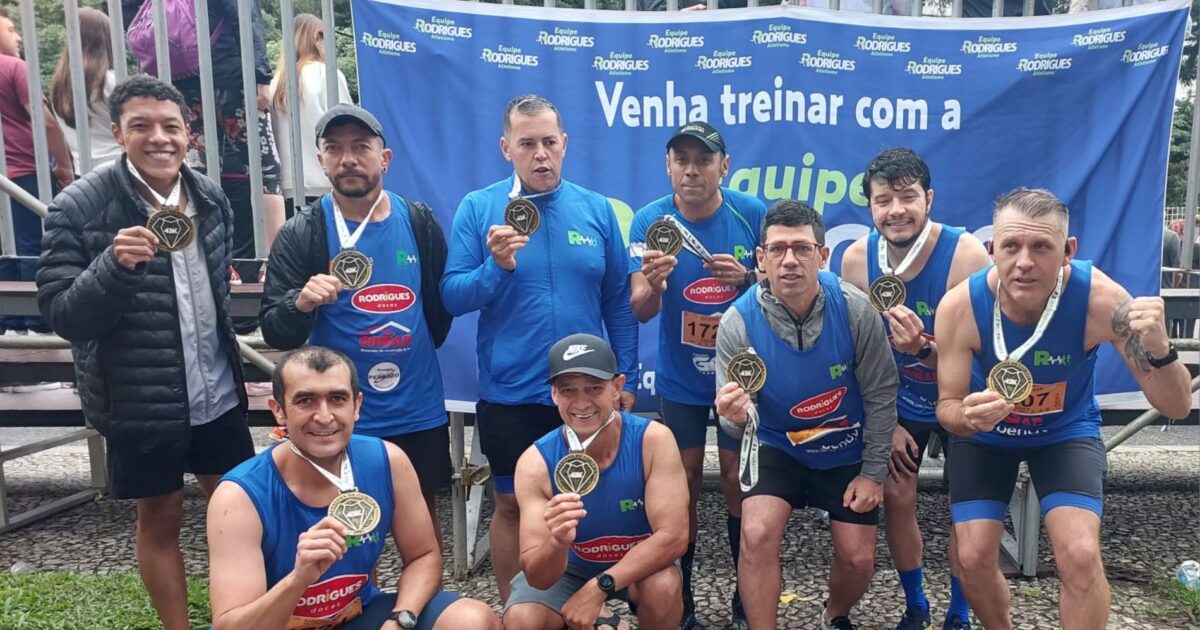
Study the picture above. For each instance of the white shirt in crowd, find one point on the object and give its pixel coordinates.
(104, 148)
(312, 107)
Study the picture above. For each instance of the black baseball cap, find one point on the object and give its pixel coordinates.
(582, 354)
(344, 112)
(703, 132)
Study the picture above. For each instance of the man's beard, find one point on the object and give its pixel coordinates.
(906, 243)
(356, 192)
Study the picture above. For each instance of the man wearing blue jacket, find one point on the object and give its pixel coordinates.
(572, 278)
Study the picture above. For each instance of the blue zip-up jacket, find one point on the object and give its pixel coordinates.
(572, 277)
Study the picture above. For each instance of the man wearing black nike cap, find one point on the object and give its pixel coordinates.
(599, 505)
(358, 271)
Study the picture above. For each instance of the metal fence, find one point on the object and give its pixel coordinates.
(29, 31)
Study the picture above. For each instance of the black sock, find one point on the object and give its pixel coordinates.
(733, 525)
(685, 565)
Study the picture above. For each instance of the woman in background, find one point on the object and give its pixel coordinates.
(99, 79)
(310, 67)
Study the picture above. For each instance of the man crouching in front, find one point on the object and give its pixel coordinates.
(295, 533)
(602, 516)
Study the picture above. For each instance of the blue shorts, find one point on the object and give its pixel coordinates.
(1069, 473)
(378, 610)
(689, 423)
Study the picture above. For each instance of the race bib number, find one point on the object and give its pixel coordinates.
(700, 331)
(1044, 399)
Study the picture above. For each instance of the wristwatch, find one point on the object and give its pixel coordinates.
(1172, 356)
(404, 618)
(751, 278)
(607, 584)
(925, 351)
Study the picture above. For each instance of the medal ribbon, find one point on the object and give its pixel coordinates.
(172, 199)
(886, 267)
(345, 238)
(515, 193)
(345, 483)
(998, 345)
(573, 438)
(690, 241)
(748, 457)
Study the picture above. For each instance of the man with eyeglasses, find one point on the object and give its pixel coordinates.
(928, 258)
(819, 433)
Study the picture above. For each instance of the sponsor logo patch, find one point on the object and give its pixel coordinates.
(606, 548)
(709, 291)
(384, 298)
(329, 598)
(819, 405)
(383, 377)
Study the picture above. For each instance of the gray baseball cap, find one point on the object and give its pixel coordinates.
(343, 112)
(582, 354)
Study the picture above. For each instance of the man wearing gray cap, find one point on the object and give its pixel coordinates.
(601, 511)
(358, 271)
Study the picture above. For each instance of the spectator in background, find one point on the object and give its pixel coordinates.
(1170, 258)
(860, 6)
(99, 79)
(310, 68)
(231, 131)
(16, 114)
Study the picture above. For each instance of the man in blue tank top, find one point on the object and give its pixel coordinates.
(1018, 344)
(278, 561)
(569, 275)
(929, 258)
(623, 537)
(823, 420)
(387, 316)
(691, 292)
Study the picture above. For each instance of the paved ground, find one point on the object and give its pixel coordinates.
(1151, 524)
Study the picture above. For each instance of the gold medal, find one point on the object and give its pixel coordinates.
(174, 229)
(523, 216)
(1012, 380)
(577, 473)
(887, 291)
(352, 268)
(664, 236)
(357, 511)
(747, 370)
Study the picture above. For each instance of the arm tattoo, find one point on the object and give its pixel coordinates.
(1133, 341)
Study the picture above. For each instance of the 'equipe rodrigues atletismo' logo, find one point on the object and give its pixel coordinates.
(565, 39)
(675, 40)
(778, 35)
(508, 57)
(882, 44)
(442, 28)
(388, 43)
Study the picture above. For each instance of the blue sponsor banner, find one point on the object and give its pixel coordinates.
(1078, 104)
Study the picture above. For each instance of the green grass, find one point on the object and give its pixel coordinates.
(37, 601)
(1187, 599)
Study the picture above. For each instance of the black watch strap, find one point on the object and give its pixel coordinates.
(607, 584)
(404, 618)
(925, 351)
(751, 277)
(1172, 356)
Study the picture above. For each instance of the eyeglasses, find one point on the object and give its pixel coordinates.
(802, 251)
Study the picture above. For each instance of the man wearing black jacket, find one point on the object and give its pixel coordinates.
(358, 271)
(156, 357)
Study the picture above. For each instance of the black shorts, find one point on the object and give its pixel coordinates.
(921, 432)
(1068, 473)
(429, 452)
(214, 449)
(505, 431)
(780, 475)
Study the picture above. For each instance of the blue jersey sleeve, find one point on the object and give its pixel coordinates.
(472, 278)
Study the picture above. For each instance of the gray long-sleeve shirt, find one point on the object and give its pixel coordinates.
(875, 369)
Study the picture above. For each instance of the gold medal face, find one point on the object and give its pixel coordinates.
(352, 268)
(577, 473)
(665, 237)
(747, 370)
(522, 216)
(357, 511)
(174, 229)
(1012, 380)
(886, 292)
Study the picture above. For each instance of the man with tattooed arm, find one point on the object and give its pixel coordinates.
(1017, 345)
